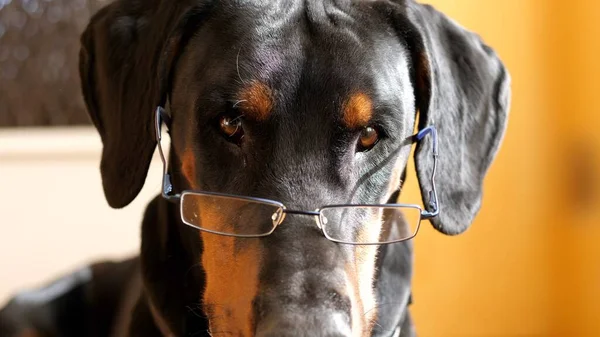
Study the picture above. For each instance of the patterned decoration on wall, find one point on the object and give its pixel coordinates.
(39, 47)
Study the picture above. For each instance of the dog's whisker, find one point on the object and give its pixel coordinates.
(193, 305)
(237, 65)
(374, 324)
(193, 311)
(200, 332)
(238, 102)
(382, 305)
(199, 264)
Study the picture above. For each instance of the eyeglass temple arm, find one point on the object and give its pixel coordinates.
(431, 210)
(167, 186)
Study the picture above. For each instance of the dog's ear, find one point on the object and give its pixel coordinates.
(127, 53)
(463, 89)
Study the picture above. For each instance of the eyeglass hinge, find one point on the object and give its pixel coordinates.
(432, 203)
(167, 186)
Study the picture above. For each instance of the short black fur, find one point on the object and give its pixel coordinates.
(194, 57)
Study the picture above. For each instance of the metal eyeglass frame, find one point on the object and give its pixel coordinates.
(167, 192)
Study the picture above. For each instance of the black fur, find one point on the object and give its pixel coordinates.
(195, 55)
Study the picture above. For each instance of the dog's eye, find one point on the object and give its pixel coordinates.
(231, 128)
(369, 136)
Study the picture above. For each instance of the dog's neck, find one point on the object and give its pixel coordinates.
(171, 274)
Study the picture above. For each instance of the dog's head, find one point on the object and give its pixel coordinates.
(306, 102)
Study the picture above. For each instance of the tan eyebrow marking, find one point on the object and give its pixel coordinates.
(256, 101)
(358, 111)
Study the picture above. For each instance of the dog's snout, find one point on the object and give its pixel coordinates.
(303, 323)
(309, 309)
(308, 293)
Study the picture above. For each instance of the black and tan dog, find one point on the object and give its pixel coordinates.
(306, 102)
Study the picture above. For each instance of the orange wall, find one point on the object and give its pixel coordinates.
(530, 265)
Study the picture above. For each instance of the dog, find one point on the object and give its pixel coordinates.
(308, 103)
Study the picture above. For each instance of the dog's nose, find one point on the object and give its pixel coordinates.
(331, 324)
(304, 288)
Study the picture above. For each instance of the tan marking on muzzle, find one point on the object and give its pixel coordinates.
(231, 280)
(360, 287)
(256, 101)
(358, 111)
(360, 290)
(188, 167)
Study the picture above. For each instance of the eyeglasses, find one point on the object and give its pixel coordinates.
(249, 217)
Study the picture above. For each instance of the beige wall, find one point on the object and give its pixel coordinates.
(53, 216)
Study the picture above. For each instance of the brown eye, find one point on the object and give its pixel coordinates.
(368, 138)
(231, 128)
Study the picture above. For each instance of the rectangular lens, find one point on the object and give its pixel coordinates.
(235, 216)
(370, 224)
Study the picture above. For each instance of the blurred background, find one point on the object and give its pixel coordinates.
(529, 266)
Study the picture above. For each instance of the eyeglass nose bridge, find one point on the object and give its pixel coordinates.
(316, 214)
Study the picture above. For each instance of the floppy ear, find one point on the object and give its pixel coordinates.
(127, 53)
(463, 89)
